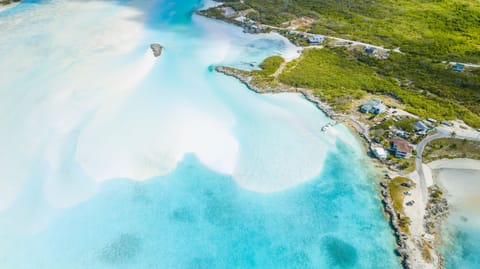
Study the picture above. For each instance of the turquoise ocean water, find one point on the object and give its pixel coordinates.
(461, 243)
(114, 159)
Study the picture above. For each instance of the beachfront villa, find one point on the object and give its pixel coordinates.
(400, 147)
(374, 106)
(316, 39)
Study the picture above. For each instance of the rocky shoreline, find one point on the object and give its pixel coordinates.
(437, 211)
(407, 248)
(392, 216)
(246, 79)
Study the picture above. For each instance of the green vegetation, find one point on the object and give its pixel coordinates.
(426, 248)
(451, 148)
(270, 65)
(263, 78)
(214, 13)
(427, 32)
(429, 90)
(442, 30)
(404, 223)
(407, 165)
(396, 192)
(384, 125)
(237, 5)
(334, 76)
(436, 195)
(432, 85)
(408, 125)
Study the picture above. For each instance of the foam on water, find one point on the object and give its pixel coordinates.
(95, 134)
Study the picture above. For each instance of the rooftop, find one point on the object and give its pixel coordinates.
(402, 145)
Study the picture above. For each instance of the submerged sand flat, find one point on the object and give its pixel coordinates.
(112, 158)
(460, 178)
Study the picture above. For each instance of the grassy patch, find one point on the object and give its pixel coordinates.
(426, 249)
(396, 192)
(449, 148)
(337, 76)
(430, 87)
(264, 78)
(446, 30)
(334, 76)
(428, 32)
(270, 65)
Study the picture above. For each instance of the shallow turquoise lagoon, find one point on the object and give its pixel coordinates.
(461, 235)
(461, 250)
(112, 158)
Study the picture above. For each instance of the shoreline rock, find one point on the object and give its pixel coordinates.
(157, 49)
(436, 212)
(246, 79)
(392, 217)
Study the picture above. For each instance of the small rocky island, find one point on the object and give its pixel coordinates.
(157, 49)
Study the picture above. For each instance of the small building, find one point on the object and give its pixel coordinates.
(458, 67)
(421, 128)
(380, 153)
(400, 147)
(253, 29)
(402, 134)
(374, 106)
(242, 19)
(316, 39)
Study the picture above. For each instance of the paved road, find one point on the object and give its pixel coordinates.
(442, 133)
(352, 42)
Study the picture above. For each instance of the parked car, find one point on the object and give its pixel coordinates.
(410, 203)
